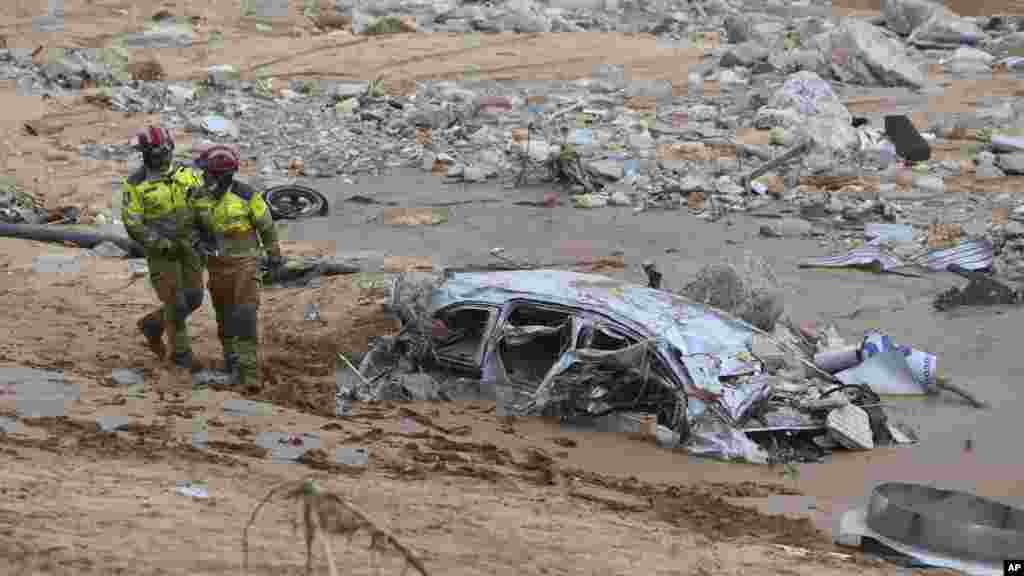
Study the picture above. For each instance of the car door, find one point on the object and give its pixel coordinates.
(460, 333)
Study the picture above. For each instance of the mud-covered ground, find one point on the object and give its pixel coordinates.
(469, 493)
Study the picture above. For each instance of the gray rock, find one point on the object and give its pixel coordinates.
(428, 160)
(525, 17)
(108, 250)
(985, 157)
(162, 36)
(768, 33)
(862, 53)
(347, 90)
(180, 95)
(987, 171)
(221, 75)
(786, 228)
(821, 116)
(730, 79)
(658, 89)
(112, 423)
(1010, 43)
(745, 55)
(126, 377)
(737, 28)
(1012, 163)
(789, 61)
(608, 168)
(903, 16)
(946, 28)
(476, 173)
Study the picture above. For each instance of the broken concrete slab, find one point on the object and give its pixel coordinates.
(944, 28)
(862, 53)
(903, 16)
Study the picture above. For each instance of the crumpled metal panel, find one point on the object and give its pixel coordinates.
(691, 329)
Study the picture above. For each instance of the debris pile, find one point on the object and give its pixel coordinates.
(597, 351)
(612, 141)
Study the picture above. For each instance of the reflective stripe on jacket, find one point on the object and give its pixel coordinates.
(239, 221)
(157, 206)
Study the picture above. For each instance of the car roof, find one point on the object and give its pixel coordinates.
(684, 324)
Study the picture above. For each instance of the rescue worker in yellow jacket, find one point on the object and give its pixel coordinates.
(236, 227)
(157, 215)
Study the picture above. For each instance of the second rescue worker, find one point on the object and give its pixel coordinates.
(236, 227)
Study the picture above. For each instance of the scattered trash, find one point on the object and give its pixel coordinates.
(349, 456)
(976, 254)
(193, 489)
(936, 527)
(921, 364)
(220, 126)
(287, 447)
(112, 423)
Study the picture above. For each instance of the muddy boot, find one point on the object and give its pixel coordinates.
(153, 329)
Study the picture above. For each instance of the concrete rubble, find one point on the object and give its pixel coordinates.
(684, 154)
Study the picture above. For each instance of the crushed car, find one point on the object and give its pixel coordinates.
(583, 348)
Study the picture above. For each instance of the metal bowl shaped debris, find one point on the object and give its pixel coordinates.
(947, 522)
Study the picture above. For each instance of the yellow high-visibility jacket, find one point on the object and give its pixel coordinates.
(157, 206)
(239, 221)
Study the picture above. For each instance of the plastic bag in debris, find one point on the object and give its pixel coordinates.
(806, 92)
(714, 439)
(737, 400)
(922, 364)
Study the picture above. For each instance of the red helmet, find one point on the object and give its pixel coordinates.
(154, 137)
(219, 159)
